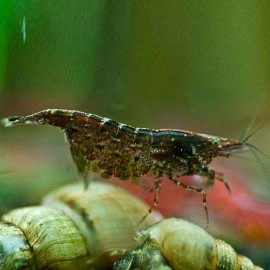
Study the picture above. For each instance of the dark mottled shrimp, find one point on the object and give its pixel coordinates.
(113, 149)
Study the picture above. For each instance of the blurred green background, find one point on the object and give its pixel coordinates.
(193, 65)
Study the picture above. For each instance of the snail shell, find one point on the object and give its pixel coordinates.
(76, 229)
(14, 249)
(182, 245)
(73, 229)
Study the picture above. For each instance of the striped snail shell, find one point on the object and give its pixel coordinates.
(182, 245)
(73, 229)
(76, 229)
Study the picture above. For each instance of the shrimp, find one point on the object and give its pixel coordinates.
(102, 145)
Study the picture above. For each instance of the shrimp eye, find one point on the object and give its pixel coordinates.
(215, 142)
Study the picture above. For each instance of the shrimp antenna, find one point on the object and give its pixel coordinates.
(244, 158)
(255, 131)
(244, 137)
(257, 149)
(244, 134)
(257, 157)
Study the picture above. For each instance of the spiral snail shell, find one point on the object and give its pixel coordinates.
(184, 246)
(76, 229)
(72, 229)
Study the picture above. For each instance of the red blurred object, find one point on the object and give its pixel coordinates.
(240, 212)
